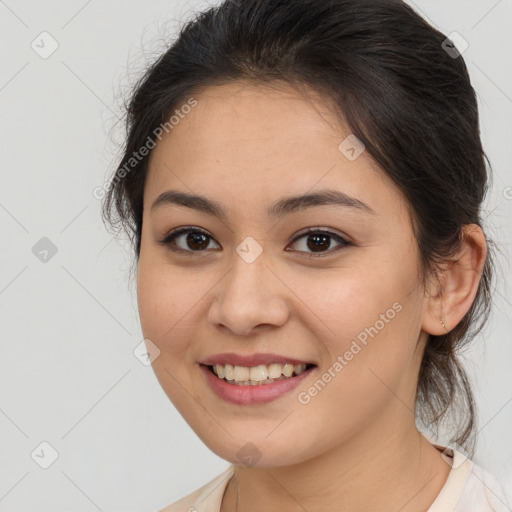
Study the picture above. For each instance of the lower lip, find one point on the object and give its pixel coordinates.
(248, 395)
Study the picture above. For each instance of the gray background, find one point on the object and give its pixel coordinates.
(68, 375)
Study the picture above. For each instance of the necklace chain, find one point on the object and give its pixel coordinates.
(237, 493)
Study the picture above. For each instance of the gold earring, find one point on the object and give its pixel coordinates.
(442, 315)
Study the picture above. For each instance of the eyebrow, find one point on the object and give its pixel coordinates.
(283, 207)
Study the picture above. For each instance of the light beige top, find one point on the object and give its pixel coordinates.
(468, 488)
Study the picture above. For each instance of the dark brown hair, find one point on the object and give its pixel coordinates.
(401, 91)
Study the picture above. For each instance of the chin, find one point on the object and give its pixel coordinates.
(260, 453)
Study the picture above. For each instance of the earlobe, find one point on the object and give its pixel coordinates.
(458, 284)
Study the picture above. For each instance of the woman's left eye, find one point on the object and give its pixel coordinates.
(317, 240)
(198, 240)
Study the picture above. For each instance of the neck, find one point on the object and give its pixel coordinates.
(384, 469)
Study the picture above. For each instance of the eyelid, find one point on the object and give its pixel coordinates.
(169, 238)
(321, 230)
(342, 240)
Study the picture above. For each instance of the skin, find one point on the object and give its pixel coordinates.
(355, 445)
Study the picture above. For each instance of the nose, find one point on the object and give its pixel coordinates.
(248, 297)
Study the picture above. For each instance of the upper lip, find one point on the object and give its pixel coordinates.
(251, 360)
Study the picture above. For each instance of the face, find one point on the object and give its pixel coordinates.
(344, 298)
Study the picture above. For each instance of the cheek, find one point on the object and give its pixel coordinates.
(157, 296)
(344, 302)
(166, 310)
(369, 322)
(170, 301)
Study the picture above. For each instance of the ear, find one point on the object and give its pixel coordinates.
(450, 297)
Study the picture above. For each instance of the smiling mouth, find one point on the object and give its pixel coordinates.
(258, 375)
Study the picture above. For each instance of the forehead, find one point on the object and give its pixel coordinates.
(260, 113)
(264, 141)
(253, 123)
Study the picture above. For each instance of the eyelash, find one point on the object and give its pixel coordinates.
(170, 237)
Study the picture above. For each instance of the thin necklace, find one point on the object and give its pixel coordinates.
(237, 493)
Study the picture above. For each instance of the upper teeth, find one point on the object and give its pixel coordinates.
(257, 373)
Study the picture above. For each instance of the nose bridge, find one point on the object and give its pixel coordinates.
(249, 273)
(248, 295)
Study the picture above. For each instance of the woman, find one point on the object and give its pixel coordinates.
(302, 181)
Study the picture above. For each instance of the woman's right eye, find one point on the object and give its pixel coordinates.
(195, 241)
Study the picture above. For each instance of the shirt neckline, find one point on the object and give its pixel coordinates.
(451, 492)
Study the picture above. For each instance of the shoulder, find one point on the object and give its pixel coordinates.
(486, 492)
(470, 488)
(207, 498)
